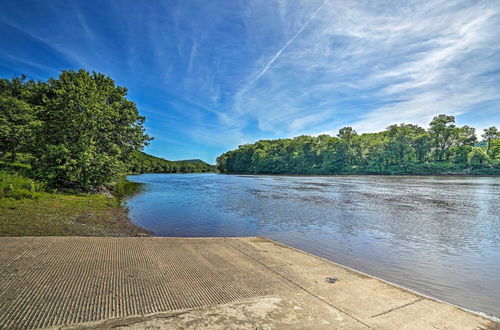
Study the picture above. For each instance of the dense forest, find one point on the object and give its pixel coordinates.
(76, 131)
(444, 148)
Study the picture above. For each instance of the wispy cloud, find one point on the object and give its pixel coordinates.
(370, 65)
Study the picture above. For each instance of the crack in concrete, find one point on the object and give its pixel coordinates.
(396, 308)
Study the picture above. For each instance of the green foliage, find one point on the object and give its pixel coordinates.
(89, 129)
(400, 149)
(494, 151)
(477, 157)
(459, 154)
(403, 143)
(442, 130)
(79, 128)
(140, 162)
(21, 165)
(18, 187)
(17, 116)
(490, 134)
(465, 136)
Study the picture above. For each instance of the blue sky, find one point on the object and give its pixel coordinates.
(210, 75)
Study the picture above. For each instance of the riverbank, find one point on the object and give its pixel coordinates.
(29, 208)
(194, 283)
(448, 174)
(56, 214)
(430, 170)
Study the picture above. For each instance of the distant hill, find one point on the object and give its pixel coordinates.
(141, 162)
(193, 161)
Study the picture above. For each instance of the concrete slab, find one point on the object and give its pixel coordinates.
(193, 283)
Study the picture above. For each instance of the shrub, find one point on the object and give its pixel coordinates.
(477, 157)
(18, 187)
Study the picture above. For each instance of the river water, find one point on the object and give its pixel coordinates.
(439, 236)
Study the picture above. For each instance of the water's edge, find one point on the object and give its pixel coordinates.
(482, 314)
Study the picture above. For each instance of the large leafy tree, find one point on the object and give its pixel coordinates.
(495, 149)
(403, 144)
(422, 145)
(443, 132)
(466, 136)
(89, 128)
(347, 146)
(327, 149)
(490, 134)
(16, 125)
(17, 116)
(464, 140)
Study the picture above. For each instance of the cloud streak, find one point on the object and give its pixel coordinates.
(289, 42)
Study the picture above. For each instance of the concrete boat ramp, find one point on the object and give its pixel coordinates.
(197, 283)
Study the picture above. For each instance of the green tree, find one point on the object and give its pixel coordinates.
(16, 124)
(422, 145)
(459, 154)
(17, 117)
(466, 136)
(490, 134)
(477, 157)
(443, 133)
(403, 143)
(346, 152)
(328, 153)
(495, 149)
(89, 129)
(374, 146)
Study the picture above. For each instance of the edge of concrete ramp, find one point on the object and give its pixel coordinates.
(426, 296)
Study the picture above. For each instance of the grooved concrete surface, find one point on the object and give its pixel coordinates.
(193, 283)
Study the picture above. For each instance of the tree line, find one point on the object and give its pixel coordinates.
(76, 131)
(140, 162)
(399, 149)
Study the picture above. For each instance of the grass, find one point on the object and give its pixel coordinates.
(28, 209)
(65, 215)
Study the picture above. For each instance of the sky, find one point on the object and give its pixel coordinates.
(211, 75)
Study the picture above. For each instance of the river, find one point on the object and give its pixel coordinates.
(439, 236)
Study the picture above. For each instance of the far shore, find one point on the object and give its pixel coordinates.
(367, 174)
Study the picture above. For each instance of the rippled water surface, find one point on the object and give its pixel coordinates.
(437, 235)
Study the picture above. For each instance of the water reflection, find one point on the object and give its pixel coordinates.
(125, 188)
(437, 235)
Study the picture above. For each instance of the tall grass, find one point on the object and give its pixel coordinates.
(13, 185)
